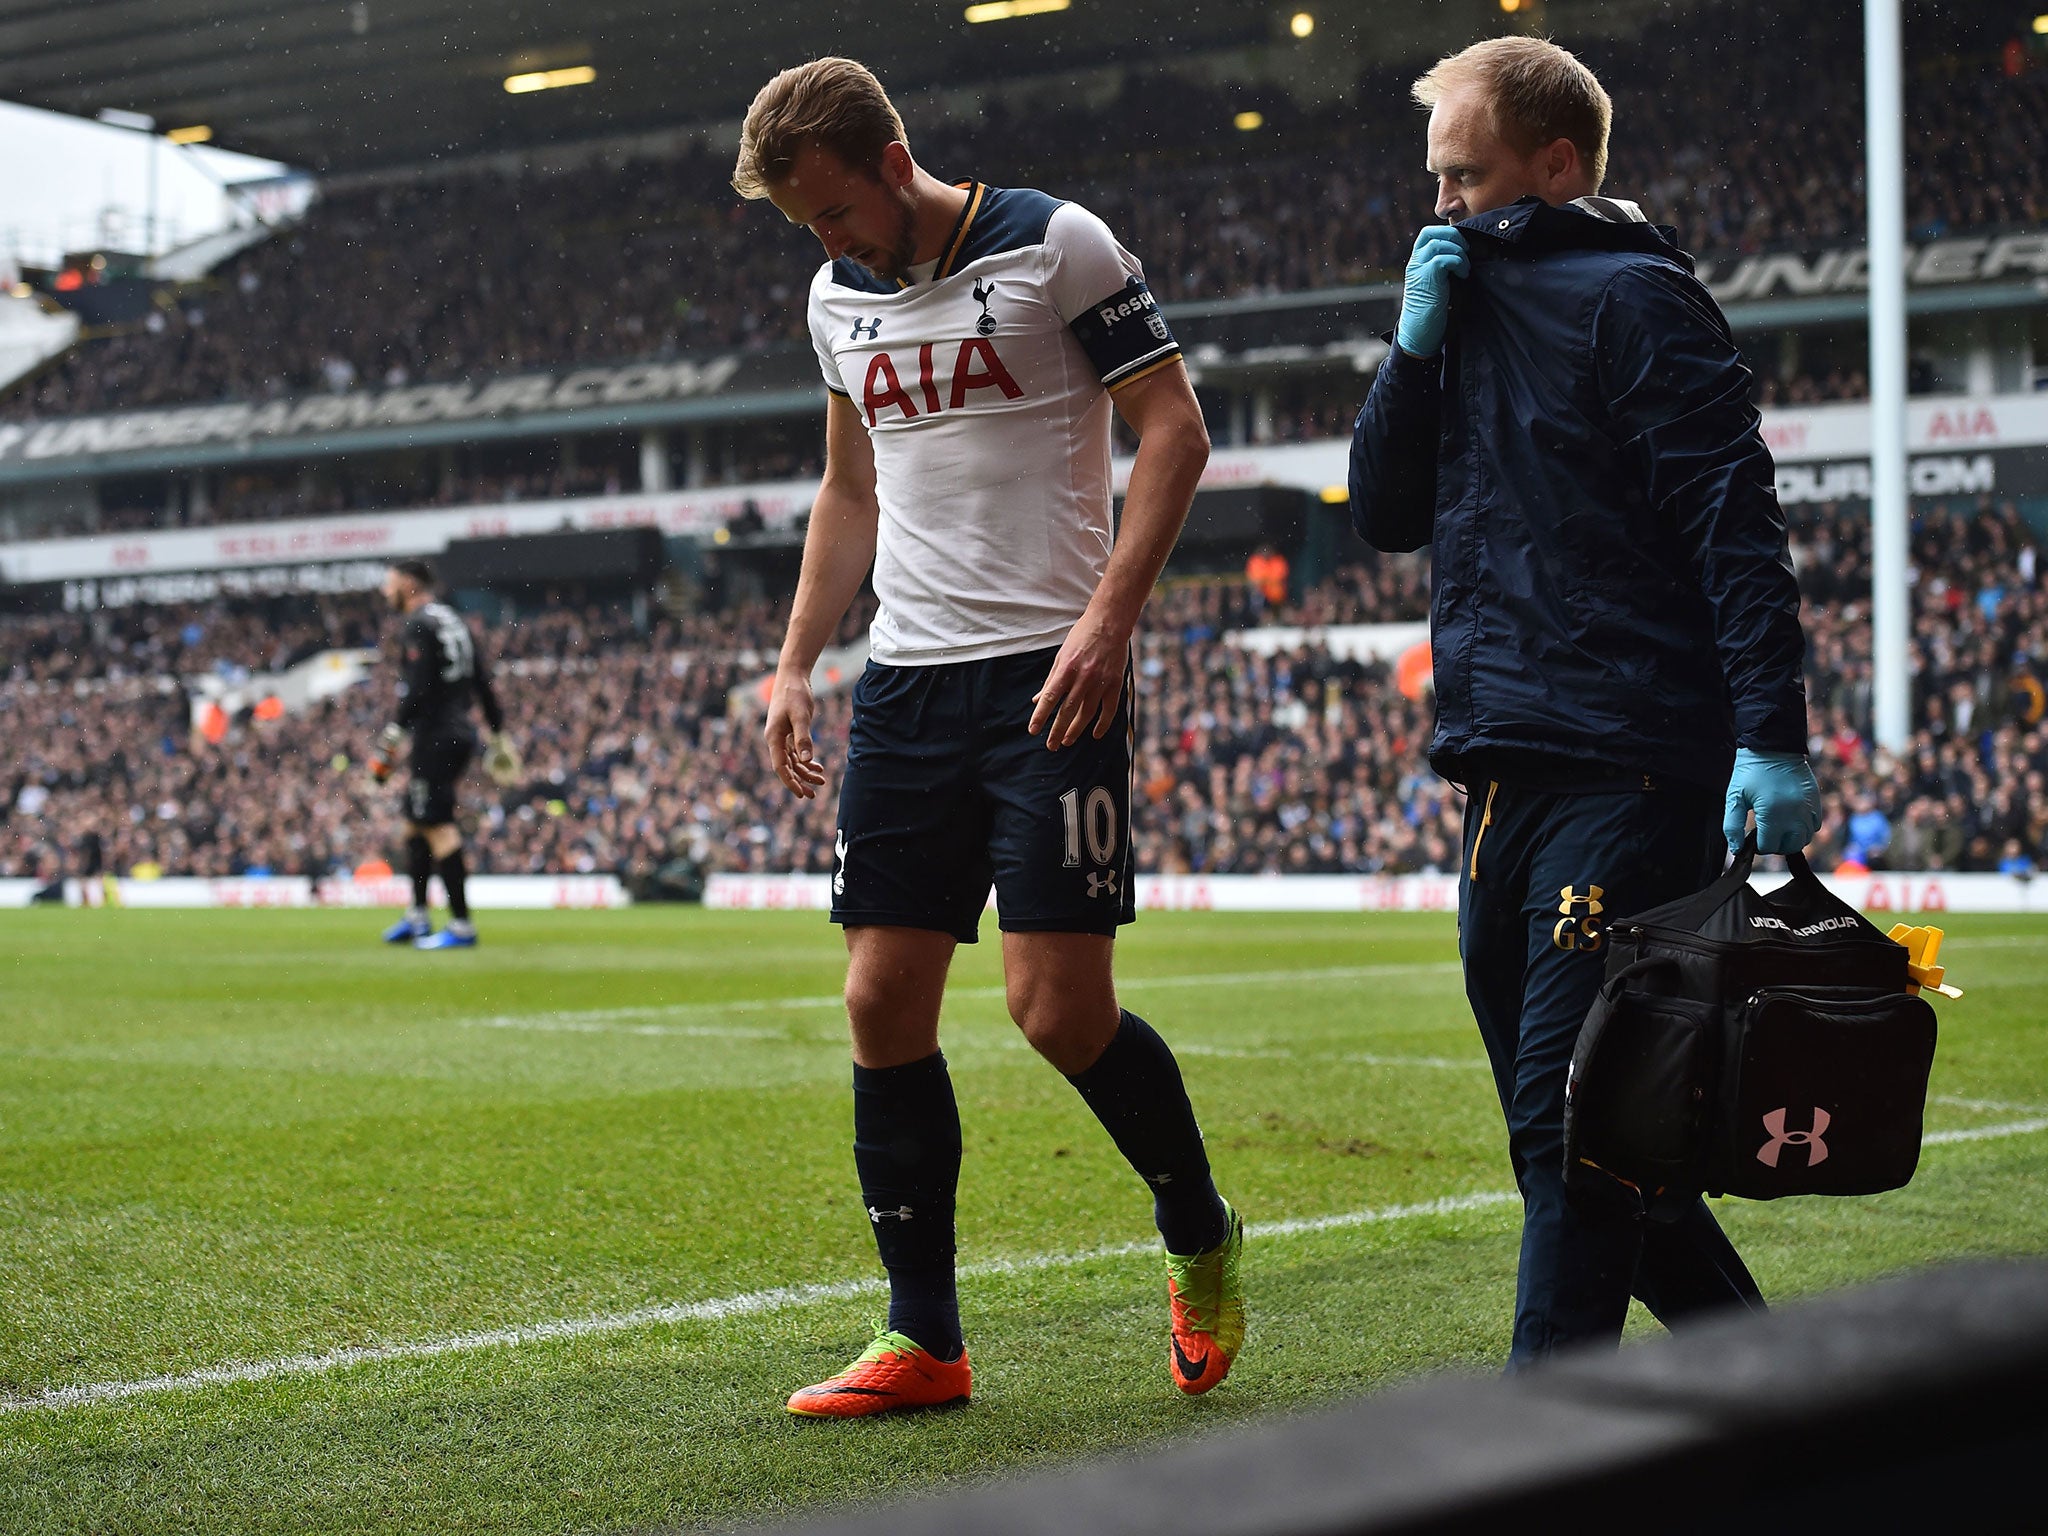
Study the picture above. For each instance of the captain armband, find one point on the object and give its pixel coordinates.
(1125, 335)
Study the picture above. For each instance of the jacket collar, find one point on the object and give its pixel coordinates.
(1532, 225)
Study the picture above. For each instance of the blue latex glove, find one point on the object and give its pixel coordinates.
(1781, 789)
(1426, 291)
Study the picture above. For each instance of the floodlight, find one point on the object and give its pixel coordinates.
(549, 79)
(1003, 10)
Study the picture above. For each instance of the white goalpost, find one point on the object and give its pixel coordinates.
(1885, 195)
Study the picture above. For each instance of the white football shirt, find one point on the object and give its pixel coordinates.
(985, 390)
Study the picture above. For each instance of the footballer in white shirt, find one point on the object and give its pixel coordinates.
(974, 341)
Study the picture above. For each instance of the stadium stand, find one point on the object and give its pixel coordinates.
(1256, 755)
(1301, 762)
(488, 272)
(1305, 412)
(253, 494)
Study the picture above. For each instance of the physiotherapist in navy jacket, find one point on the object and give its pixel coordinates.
(1565, 422)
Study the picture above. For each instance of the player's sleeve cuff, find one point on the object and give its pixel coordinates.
(1143, 370)
(844, 394)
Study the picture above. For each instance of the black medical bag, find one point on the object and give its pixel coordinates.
(1747, 1044)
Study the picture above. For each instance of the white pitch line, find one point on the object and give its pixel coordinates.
(1984, 1133)
(1438, 1063)
(716, 1310)
(1258, 978)
(541, 1024)
(567, 1020)
(1365, 1058)
(1449, 1205)
(611, 1020)
(1986, 1106)
(751, 1302)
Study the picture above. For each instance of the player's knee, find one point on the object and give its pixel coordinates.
(867, 1002)
(1025, 996)
(1055, 1042)
(890, 1026)
(1067, 1029)
(878, 1004)
(1539, 1148)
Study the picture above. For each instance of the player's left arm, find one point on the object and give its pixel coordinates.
(420, 663)
(1099, 289)
(486, 695)
(1677, 393)
(501, 757)
(420, 654)
(1087, 679)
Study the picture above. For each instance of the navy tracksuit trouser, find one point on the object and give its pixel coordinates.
(1544, 874)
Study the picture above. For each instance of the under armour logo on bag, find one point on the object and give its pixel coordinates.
(878, 1216)
(1102, 885)
(873, 331)
(1816, 1149)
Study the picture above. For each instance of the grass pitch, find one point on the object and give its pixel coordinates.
(257, 1139)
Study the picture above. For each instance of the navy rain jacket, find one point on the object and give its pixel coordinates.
(1611, 592)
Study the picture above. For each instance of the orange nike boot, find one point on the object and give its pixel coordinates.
(892, 1374)
(1205, 1294)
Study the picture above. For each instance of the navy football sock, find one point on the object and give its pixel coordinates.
(419, 863)
(455, 876)
(906, 1146)
(1136, 1092)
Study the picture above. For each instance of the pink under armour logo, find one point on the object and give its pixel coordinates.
(1816, 1149)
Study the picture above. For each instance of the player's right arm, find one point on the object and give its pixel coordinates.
(839, 547)
(420, 660)
(420, 664)
(1393, 453)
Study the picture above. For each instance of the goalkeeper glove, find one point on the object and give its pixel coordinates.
(384, 756)
(501, 761)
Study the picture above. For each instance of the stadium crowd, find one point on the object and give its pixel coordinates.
(1304, 411)
(638, 760)
(343, 485)
(1737, 122)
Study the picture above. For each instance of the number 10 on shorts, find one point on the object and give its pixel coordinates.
(1096, 822)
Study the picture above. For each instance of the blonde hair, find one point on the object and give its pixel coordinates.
(1538, 93)
(834, 103)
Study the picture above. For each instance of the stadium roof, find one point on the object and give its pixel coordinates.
(338, 86)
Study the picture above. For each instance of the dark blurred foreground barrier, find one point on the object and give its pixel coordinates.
(1917, 1404)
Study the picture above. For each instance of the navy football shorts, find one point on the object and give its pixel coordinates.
(438, 761)
(944, 794)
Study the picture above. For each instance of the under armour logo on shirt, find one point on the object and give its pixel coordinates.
(1816, 1149)
(901, 1213)
(874, 329)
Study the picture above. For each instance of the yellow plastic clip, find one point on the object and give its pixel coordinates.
(1923, 947)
